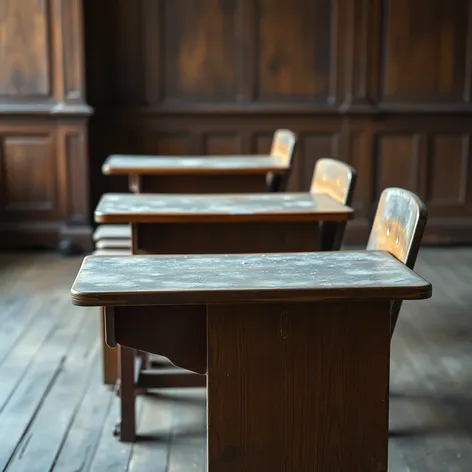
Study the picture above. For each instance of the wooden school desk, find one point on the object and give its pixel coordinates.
(207, 224)
(295, 347)
(221, 224)
(197, 174)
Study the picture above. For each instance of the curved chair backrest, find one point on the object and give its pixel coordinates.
(338, 180)
(398, 228)
(283, 148)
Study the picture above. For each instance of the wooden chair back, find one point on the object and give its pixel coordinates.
(398, 228)
(338, 180)
(283, 148)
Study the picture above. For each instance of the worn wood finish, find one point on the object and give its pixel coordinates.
(219, 224)
(110, 365)
(44, 191)
(282, 149)
(148, 280)
(196, 175)
(398, 228)
(223, 292)
(297, 387)
(337, 180)
(191, 165)
(430, 382)
(155, 208)
(355, 83)
(209, 174)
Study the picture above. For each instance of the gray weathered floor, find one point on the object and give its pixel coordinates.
(56, 415)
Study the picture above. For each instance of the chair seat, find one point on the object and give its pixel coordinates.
(112, 232)
(113, 244)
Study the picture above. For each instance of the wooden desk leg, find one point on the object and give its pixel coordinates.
(109, 357)
(127, 427)
(300, 387)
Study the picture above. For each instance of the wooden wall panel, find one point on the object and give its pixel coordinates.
(425, 48)
(315, 146)
(200, 50)
(396, 162)
(261, 142)
(71, 22)
(24, 48)
(381, 84)
(448, 156)
(27, 167)
(361, 153)
(72, 141)
(44, 181)
(220, 143)
(295, 50)
(172, 144)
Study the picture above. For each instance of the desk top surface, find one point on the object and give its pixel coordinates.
(202, 279)
(167, 208)
(161, 165)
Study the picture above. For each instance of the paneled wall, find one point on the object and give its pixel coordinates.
(382, 84)
(44, 184)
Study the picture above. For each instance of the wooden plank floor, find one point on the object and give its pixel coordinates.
(55, 415)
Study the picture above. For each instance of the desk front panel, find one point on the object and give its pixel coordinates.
(225, 238)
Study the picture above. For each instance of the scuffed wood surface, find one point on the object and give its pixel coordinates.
(399, 224)
(152, 208)
(334, 178)
(148, 165)
(430, 421)
(155, 280)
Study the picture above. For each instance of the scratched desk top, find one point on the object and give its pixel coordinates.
(161, 208)
(160, 165)
(202, 279)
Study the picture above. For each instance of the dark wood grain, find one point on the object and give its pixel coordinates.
(181, 335)
(383, 85)
(297, 387)
(24, 49)
(44, 194)
(109, 356)
(430, 391)
(203, 174)
(136, 280)
(227, 237)
(214, 182)
(147, 208)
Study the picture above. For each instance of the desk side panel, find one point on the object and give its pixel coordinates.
(301, 387)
